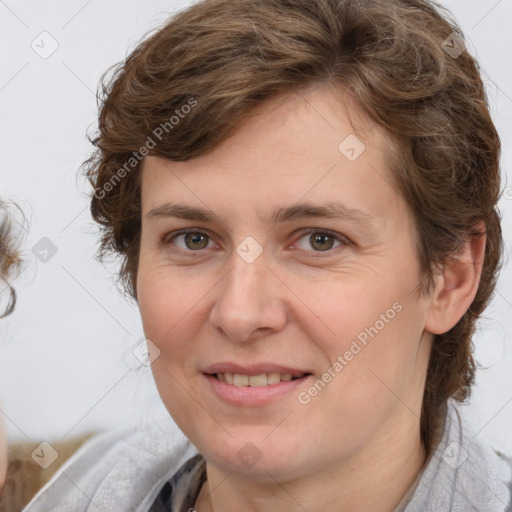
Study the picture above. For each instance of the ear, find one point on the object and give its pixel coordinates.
(456, 288)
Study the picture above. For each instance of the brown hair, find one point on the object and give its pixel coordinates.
(226, 56)
(9, 256)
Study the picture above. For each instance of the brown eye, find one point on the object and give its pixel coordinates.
(320, 241)
(196, 240)
(188, 240)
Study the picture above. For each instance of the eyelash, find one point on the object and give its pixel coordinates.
(344, 241)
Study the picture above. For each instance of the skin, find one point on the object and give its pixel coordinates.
(296, 305)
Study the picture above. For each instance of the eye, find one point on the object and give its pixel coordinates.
(321, 240)
(191, 239)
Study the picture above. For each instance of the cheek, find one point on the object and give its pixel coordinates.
(168, 321)
(171, 307)
(164, 296)
(383, 374)
(375, 331)
(160, 306)
(353, 311)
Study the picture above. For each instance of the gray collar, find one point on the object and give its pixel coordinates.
(461, 474)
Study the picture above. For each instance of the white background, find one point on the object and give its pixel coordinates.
(66, 353)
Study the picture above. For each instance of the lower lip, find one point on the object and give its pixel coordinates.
(254, 396)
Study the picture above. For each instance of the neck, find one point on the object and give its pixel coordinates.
(376, 478)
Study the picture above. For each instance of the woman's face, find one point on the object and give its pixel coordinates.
(271, 284)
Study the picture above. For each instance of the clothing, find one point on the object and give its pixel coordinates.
(139, 471)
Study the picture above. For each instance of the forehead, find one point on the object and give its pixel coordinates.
(314, 145)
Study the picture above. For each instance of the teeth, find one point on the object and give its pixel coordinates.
(263, 379)
(240, 380)
(258, 380)
(273, 378)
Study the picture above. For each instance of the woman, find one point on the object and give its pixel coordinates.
(20, 474)
(9, 264)
(303, 195)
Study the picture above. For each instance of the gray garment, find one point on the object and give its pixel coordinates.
(127, 470)
(461, 474)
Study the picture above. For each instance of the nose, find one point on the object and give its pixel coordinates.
(250, 300)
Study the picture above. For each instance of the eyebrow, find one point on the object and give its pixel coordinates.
(283, 214)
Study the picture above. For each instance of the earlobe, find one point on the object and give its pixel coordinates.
(457, 286)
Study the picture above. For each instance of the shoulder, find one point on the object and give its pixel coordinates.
(484, 474)
(463, 473)
(119, 470)
(507, 462)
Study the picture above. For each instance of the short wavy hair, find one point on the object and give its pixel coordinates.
(10, 259)
(227, 56)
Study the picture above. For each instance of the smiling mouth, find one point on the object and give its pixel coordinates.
(263, 379)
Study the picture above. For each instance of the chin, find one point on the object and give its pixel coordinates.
(254, 455)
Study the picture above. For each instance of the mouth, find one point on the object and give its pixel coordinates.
(255, 384)
(260, 380)
(255, 388)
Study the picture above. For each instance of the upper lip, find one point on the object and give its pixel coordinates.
(252, 369)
